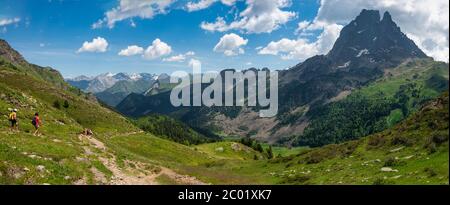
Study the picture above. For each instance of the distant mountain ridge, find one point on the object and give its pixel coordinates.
(113, 88)
(104, 81)
(367, 47)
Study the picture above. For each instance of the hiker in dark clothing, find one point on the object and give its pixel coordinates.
(36, 123)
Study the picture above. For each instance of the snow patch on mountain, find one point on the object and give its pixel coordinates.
(345, 65)
(363, 52)
(104, 81)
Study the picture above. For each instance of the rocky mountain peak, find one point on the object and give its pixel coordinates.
(368, 18)
(365, 48)
(373, 40)
(8, 53)
(387, 17)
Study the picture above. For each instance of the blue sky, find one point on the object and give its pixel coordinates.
(223, 34)
(49, 33)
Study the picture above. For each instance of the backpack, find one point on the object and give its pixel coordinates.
(11, 116)
(33, 121)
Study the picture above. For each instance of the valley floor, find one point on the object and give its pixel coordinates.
(141, 159)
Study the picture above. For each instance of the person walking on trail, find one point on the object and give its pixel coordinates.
(13, 120)
(36, 123)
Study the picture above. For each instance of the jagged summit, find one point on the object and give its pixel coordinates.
(368, 18)
(366, 47)
(370, 38)
(387, 17)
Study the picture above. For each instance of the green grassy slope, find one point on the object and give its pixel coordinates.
(377, 106)
(416, 150)
(229, 150)
(172, 129)
(58, 150)
(413, 152)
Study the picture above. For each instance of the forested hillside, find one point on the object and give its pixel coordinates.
(377, 106)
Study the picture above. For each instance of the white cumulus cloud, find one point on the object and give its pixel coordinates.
(131, 51)
(157, 49)
(290, 49)
(98, 45)
(260, 16)
(425, 22)
(5, 22)
(203, 4)
(179, 58)
(145, 9)
(231, 45)
(302, 26)
(190, 53)
(302, 48)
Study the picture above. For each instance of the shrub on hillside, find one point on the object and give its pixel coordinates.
(430, 172)
(56, 104)
(376, 141)
(439, 138)
(66, 104)
(247, 141)
(392, 162)
(402, 140)
(269, 152)
(330, 152)
(435, 140)
(296, 179)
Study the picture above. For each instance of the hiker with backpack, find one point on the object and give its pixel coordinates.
(13, 120)
(36, 123)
